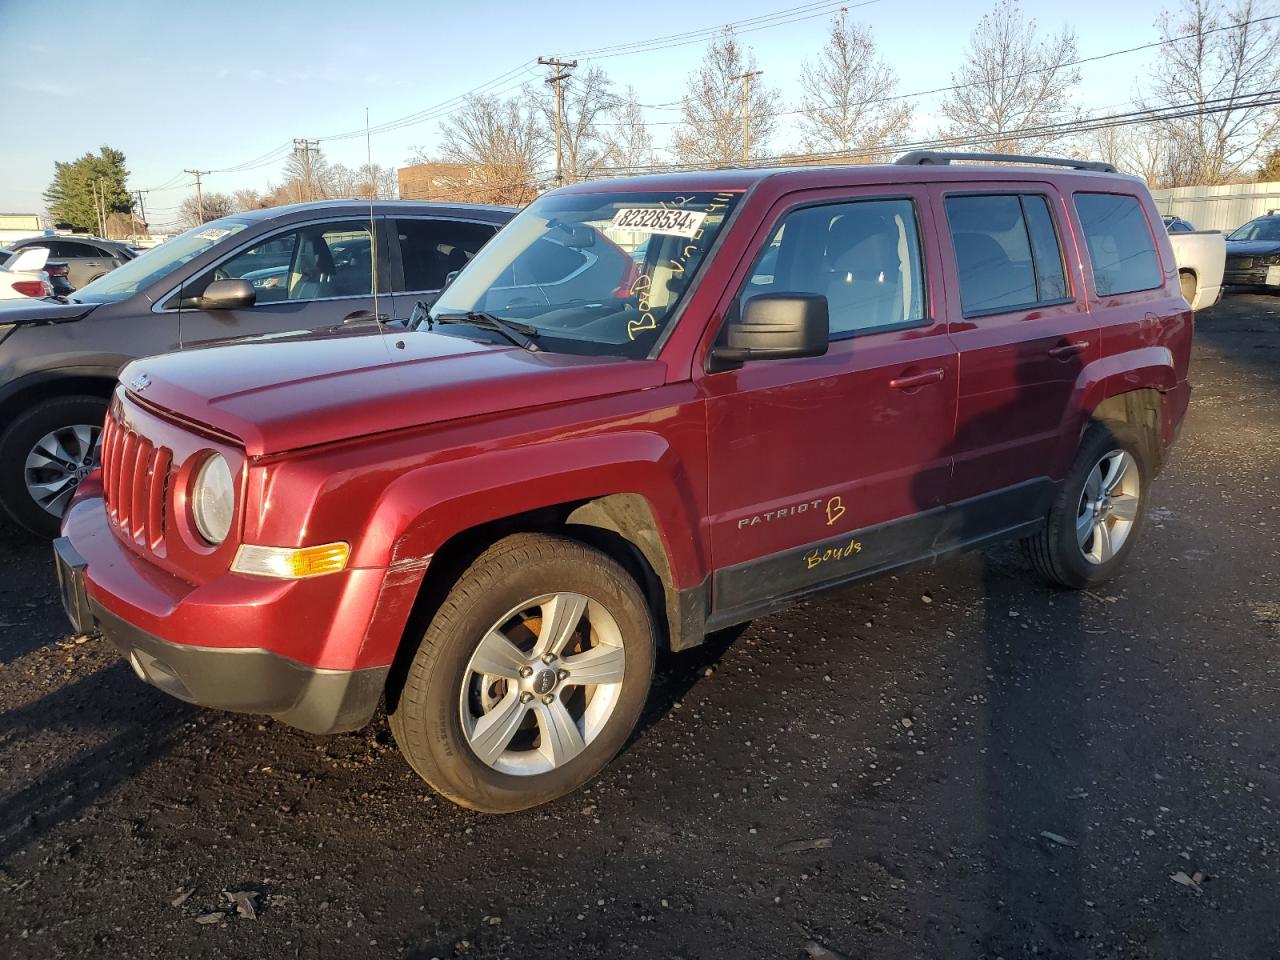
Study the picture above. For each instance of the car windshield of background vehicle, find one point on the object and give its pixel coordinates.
(156, 263)
(594, 273)
(1266, 229)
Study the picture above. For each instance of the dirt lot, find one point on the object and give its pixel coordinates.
(1001, 770)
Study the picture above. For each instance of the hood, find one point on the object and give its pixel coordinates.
(1252, 248)
(27, 310)
(284, 396)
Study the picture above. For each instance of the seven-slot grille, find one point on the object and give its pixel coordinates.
(135, 479)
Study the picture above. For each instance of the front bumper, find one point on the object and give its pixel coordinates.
(1250, 273)
(242, 679)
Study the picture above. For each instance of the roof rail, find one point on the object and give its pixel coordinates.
(926, 157)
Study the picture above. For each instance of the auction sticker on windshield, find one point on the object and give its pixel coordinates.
(676, 223)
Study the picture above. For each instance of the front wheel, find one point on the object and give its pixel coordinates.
(1095, 520)
(530, 677)
(44, 455)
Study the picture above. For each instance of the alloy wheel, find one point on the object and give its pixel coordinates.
(542, 683)
(58, 462)
(1108, 506)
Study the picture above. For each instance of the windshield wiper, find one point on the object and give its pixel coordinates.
(521, 334)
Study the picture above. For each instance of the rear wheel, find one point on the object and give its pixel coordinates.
(44, 455)
(530, 677)
(1095, 520)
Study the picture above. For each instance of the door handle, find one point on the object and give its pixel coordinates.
(362, 316)
(913, 380)
(1069, 349)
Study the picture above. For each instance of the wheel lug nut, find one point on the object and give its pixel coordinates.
(526, 697)
(563, 674)
(526, 671)
(549, 699)
(548, 658)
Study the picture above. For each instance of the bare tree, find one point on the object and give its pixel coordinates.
(365, 182)
(847, 95)
(711, 133)
(1224, 60)
(1144, 150)
(1012, 82)
(249, 199)
(490, 151)
(216, 206)
(1269, 171)
(308, 176)
(629, 144)
(588, 99)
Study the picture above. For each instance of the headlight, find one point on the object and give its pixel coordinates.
(213, 499)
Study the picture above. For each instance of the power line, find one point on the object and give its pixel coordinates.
(767, 21)
(1260, 98)
(962, 86)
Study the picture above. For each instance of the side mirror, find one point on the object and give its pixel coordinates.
(228, 295)
(774, 326)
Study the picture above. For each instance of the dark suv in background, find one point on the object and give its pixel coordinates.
(87, 258)
(260, 274)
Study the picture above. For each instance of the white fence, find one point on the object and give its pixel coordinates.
(1219, 208)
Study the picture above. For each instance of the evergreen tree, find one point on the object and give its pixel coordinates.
(71, 194)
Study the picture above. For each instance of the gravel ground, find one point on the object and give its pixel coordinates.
(982, 767)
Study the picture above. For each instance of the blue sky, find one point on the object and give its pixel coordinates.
(212, 85)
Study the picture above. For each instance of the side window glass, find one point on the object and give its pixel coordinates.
(1051, 277)
(993, 253)
(863, 256)
(432, 249)
(265, 265)
(1119, 240)
(313, 263)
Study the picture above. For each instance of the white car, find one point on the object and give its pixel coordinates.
(1201, 256)
(23, 276)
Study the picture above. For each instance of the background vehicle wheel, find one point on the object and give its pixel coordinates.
(44, 455)
(530, 677)
(1188, 283)
(1095, 520)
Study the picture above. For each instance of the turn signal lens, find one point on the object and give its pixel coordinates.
(291, 563)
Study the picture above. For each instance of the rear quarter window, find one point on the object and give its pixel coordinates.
(1119, 241)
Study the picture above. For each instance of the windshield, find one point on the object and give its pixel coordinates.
(146, 268)
(1264, 228)
(595, 273)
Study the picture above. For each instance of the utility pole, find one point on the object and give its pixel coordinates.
(97, 205)
(142, 210)
(746, 110)
(304, 147)
(199, 195)
(557, 81)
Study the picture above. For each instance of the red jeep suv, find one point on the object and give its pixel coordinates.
(647, 409)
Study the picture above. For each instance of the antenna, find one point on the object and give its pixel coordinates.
(373, 233)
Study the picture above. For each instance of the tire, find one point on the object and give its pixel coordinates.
(71, 421)
(1187, 282)
(1063, 551)
(448, 708)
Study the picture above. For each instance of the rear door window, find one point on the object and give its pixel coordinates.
(1008, 256)
(430, 250)
(1121, 248)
